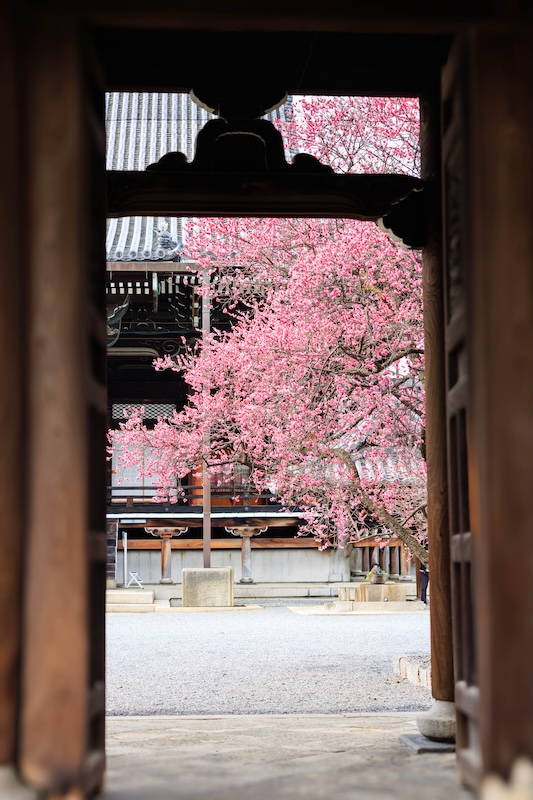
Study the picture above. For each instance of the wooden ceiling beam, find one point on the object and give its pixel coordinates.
(411, 16)
(300, 62)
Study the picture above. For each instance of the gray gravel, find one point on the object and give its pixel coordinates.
(270, 661)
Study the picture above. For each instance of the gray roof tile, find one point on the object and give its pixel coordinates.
(140, 129)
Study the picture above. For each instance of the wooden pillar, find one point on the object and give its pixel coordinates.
(442, 675)
(246, 557)
(12, 370)
(395, 563)
(206, 477)
(246, 534)
(405, 564)
(358, 560)
(165, 535)
(418, 585)
(111, 553)
(500, 331)
(166, 559)
(62, 717)
(366, 559)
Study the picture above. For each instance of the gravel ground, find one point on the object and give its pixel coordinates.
(269, 661)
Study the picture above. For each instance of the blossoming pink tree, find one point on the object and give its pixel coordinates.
(318, 386)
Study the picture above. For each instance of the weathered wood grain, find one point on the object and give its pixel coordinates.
(442, 675)
(11, 393)
(221, 544)
(53, 735)
(500, 127)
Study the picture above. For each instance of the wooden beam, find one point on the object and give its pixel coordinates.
(373, 541)
(379, 64)
(223, 544)
(197, 194)
(415, 16)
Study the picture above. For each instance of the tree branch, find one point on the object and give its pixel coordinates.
(368, 504)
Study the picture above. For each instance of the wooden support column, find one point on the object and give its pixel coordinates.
(246, 556)
(358, 561)
(500, 330)
(366, 559)
(166, 556)
(394, 563)
(62, 719)
(111, 553)
(206, 477)
(442, 675)
(246, 534)
(166, 535)
(405, 564)
(12, 404)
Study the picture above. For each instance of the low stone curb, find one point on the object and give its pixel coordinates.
(192, 609)
(347, 609)
(129, 608)
(413, 671)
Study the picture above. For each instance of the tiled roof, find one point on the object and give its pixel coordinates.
(140, 128)
(397, 466)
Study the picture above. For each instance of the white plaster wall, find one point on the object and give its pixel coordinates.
(268, 566)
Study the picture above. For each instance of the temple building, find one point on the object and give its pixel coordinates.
(153, 304)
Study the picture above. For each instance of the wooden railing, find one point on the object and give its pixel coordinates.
(188, 496)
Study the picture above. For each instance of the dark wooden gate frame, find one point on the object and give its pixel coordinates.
(52, 471)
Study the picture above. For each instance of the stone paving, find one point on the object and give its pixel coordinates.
(274, 757)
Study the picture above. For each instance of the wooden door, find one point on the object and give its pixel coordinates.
(488, 240)
(62, 695)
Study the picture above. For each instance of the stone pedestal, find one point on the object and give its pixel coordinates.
(373, 593)
(11, 788)
(208, 587)
(439, 722)
(376, 592)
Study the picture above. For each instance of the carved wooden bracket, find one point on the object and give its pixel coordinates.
(240, 170)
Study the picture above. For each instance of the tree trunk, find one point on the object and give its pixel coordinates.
(368, 504)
